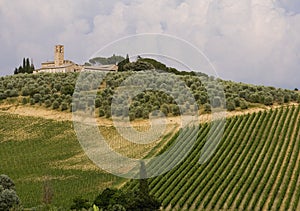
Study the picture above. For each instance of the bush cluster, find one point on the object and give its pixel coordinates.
(8, 195)
(138, 94)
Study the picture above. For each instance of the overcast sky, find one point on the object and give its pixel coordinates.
(253, 41)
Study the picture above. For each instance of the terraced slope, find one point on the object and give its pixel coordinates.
(256, 167)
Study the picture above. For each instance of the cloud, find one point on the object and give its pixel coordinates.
(248, 40)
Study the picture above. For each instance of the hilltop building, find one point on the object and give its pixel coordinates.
(64, 66)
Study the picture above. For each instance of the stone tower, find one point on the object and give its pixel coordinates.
(59, 55)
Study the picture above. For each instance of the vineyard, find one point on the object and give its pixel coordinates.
(255, 167)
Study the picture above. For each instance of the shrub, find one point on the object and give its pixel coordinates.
(244, 104)
(7, 93)
(230, 105)
(268, 100)
(8, 195)
(32, 101)
(207, 107)
(67, 89)
(54, 90)
(79, 204)
(6, 182)
(58, 99)
(97, 102)
(3, 96)
(287, 98)
(37, 97)
(64, 106)
(24, 100)
(55, 105)
(237, 102)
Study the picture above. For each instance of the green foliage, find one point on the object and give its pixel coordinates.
(31, 101)
(48, 207)
(55, 104)
(45, 87)
(79, 204)
(268, 100)
(105, 61)
(113, 199)
(6, 182)
(116, 207)
(37, 98)
(64, 106)
(107, 197)
(24, 100)
(25, 68)
(243, 104)
(122, 63)
(8, 195)
(162, 67)
(138, 66)
(230, 105)
(67, 89)
(48, 103)
(207, 107)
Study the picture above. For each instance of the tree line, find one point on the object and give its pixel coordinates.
(26, 67)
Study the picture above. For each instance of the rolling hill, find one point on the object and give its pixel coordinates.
(256, 167)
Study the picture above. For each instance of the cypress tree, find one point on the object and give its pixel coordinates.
(27, 67)
(144, 188)
(24, 64)
(21, 69)
(144, 201)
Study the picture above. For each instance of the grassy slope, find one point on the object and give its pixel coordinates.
(34, 148)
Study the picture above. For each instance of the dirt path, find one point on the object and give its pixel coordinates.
(42, 112)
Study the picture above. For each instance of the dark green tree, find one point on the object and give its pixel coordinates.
(105, 198)
(144, 201)
(26, 67)
(79, 204)
(123, 63)
(138, 66)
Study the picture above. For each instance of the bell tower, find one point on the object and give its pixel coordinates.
(59, 55)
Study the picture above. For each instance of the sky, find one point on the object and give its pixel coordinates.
(252, 41)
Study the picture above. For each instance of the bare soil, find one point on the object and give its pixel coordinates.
(38, 111)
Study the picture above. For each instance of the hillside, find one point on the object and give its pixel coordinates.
(55, 91)
(35, 150)
(256, 167)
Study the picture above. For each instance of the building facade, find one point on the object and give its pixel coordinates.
(60, 65)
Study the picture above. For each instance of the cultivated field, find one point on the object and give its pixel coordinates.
(35, 150)
(256, 167)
